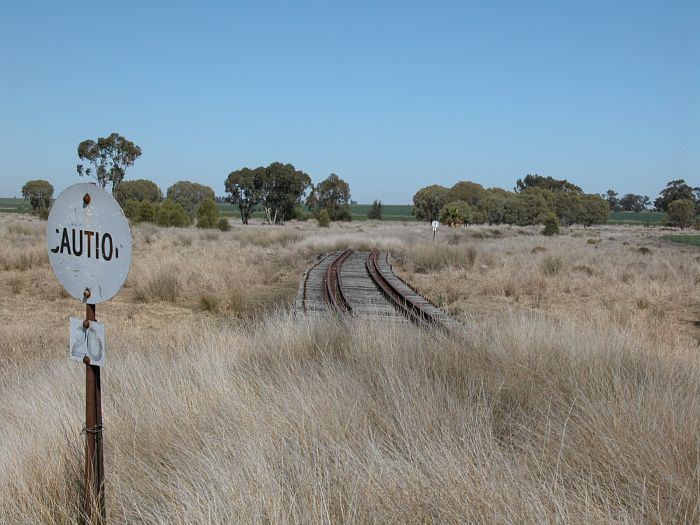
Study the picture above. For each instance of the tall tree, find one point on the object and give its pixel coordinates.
(109, 156)
(333, 194)
(428, 202)
(676, 190)
(189, 195)
(245, 188)
(635, 203)
(283, 189)
(611, 197)
(39, 193)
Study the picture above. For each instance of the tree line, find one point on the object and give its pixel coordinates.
(675, 190)
(281, 191)
(678, 199)
(533, 199)
(284, 192)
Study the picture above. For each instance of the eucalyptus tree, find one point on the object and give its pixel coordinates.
(110, 157)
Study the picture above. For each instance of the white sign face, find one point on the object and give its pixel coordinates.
(87, 341)
(435, 225)
(89, 243)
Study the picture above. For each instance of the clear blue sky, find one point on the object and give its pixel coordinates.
(391, 96)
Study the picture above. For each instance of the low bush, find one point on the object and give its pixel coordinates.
(324, 219)
(551, 225)
(209, 303)
(223, 224)
(171, 214)
(300, 214)
(207, 214)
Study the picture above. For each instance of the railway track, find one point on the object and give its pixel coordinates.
(401, 301)
(332, 286)
(363, 284)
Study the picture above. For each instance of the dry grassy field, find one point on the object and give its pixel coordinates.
(573, 396)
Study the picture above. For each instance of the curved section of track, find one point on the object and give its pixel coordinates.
(404, 304)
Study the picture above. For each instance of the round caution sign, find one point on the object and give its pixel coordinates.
(89, 243)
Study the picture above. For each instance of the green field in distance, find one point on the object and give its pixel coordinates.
(391, 212)
(692, 240)
(10, 205)
(655, 218)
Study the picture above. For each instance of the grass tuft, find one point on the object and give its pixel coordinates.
(428, 258)
(163, 286)
(552, 265)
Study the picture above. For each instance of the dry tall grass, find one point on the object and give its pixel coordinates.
(574, 396)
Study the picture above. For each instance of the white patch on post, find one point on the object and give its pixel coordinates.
(87, 342)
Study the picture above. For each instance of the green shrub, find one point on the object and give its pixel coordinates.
(324, 219)
(171, 214)
(137, 190)
(223, 224)
(147, 211)
(454, 213)
(697, 224)
(551, 224)
(476, 216)
(300, 214)
(681, 213)
(44, 213)
(207, 214)
(131, 210)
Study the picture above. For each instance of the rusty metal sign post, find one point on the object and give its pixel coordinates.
(89, 247)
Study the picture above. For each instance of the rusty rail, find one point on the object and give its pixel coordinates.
(403, 304)
(332, 288)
